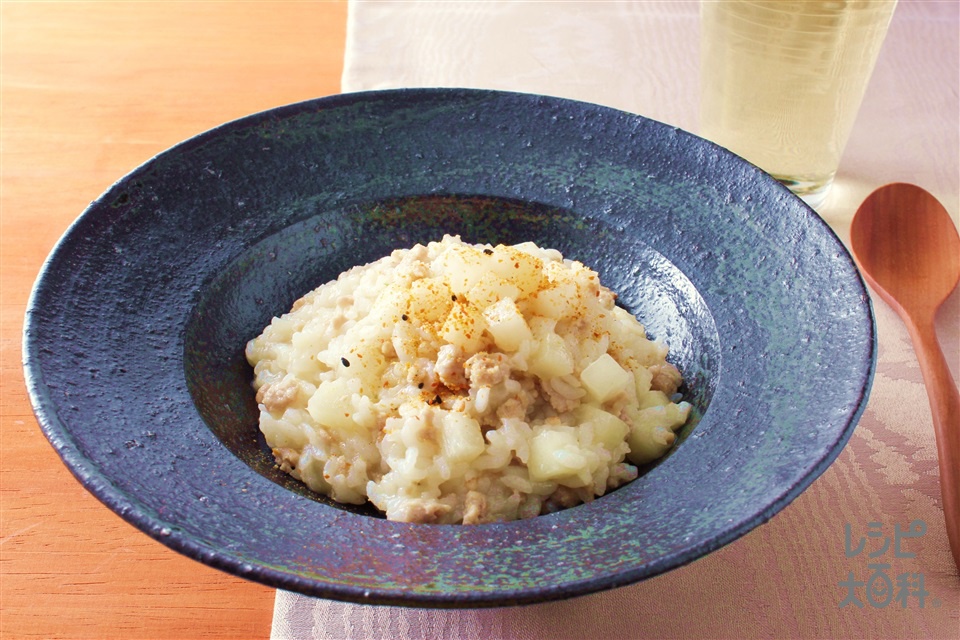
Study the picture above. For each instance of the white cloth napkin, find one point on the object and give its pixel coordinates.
(641, 57)
(791, 576)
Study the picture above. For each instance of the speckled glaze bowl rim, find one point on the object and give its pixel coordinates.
(210, 552)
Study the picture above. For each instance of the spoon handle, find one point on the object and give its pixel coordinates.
(945, 406)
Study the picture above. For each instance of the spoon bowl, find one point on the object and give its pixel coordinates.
(909, 252)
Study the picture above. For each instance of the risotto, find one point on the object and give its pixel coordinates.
(460, 383)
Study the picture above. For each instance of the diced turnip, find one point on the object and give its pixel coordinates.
(652, 430)
(464, 326)
(364, 362)
(642, 379)
(306, 344)
(545, 255)
(647, 445)
(390, 304)
(555, 454)
(608, 429)
(462, 440)
(516, 267)
(626, 324)
(551, 358)
(463, 267)
(491, 288)
(330, 407)
(652, 398)
(430, 300)
(604, 378)
(555, 302)
(405, 341)
(506, 324)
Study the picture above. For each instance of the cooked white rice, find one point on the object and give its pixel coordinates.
(458, 383)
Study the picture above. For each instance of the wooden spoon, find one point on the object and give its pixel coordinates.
(909, 251)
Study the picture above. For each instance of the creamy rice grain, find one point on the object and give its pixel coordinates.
(459, 383)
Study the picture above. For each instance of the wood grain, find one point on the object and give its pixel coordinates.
(909, 252)
(89, 91)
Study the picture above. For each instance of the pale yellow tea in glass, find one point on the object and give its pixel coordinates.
(782, 81)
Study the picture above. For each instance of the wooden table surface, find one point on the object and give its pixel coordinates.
(89, 91)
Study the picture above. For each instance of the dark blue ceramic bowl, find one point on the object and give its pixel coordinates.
(135, 332)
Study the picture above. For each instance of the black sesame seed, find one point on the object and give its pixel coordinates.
(344, 362)
(420, 386)
(404, 317)
(454, 297)
(489, 252)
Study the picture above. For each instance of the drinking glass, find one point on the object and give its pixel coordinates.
(782, 81)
